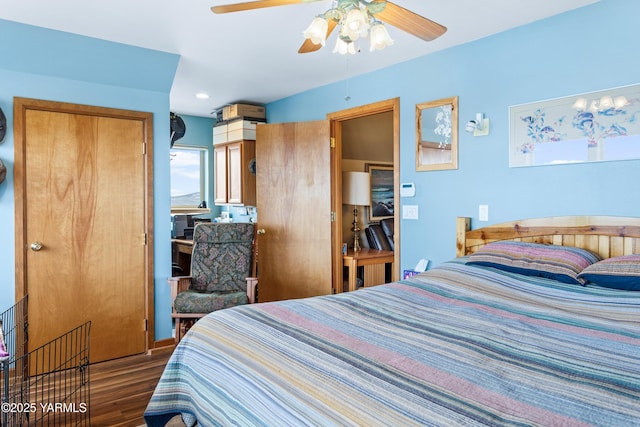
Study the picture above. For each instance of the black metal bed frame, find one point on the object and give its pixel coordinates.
(46, 386)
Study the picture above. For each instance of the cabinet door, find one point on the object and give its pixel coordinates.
(220, 173)
(234, 173)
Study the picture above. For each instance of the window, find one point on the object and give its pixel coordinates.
(189, 177)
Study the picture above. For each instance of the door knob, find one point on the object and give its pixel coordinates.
(36, 246)
(261, 231)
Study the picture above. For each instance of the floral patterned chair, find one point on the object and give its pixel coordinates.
(221, 264)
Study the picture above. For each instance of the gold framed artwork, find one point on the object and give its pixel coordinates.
(437, 135)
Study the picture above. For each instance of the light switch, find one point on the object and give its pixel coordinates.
(410, 211)
(483, 212)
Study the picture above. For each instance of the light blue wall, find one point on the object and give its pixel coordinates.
(585, 50)
(56, 66)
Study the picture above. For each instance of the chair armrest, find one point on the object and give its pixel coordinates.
(178, 284)
(252, 285)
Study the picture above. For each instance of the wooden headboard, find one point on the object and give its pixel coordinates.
(608, 236)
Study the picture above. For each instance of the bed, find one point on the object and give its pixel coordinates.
(464, 343)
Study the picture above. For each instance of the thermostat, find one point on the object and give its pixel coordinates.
(407, 189)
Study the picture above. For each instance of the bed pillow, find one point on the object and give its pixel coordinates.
(562, 263)
(621, 272)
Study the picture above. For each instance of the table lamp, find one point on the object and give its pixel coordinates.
(356, 191)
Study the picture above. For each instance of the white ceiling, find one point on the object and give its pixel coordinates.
(252, 55)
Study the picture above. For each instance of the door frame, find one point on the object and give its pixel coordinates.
(336, 119)
(21, 106)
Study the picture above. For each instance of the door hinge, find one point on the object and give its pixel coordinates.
(144, 148)
(144, 325)
(332, 142)
(333, 216)
(144, 239)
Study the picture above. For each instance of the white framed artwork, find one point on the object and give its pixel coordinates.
(590, 127)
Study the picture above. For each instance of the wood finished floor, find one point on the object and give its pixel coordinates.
(121, 389)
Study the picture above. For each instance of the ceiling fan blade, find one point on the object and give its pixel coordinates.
(410, 22)
(258, 4)
(308, 46)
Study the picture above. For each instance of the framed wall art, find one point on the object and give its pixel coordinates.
(591, 127)
(382, 192)
(437, 135)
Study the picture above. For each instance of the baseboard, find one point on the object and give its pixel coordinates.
(162, 345)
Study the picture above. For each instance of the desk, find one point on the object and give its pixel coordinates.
(182, 251)
(373, 262)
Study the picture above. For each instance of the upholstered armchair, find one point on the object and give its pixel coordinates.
(221, 264)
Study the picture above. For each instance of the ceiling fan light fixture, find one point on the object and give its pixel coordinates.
(379, 37)
(356, 16)
(317, 30)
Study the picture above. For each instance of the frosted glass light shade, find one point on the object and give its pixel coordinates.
(355, 24)
(317, 31)
(380, 37)
(342, 47)
(356, 188)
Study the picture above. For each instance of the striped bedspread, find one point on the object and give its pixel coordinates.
(458, 345)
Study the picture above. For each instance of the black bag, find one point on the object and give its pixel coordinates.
(3, 171)
(3, 125)
(178, 128)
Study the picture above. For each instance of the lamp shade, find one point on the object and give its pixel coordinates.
(356, 188)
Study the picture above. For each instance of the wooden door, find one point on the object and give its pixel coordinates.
(294, 210)
(82, 192)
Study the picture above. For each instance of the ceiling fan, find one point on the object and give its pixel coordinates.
(356, 18)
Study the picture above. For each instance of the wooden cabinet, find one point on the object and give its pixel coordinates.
(234, 173)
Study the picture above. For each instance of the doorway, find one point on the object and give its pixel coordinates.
(84, 215)
(390, 109)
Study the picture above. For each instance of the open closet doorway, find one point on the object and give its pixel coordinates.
(364, 136)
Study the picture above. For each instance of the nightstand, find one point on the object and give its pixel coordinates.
(373, 262)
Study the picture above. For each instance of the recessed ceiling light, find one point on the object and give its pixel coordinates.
(202, 95)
